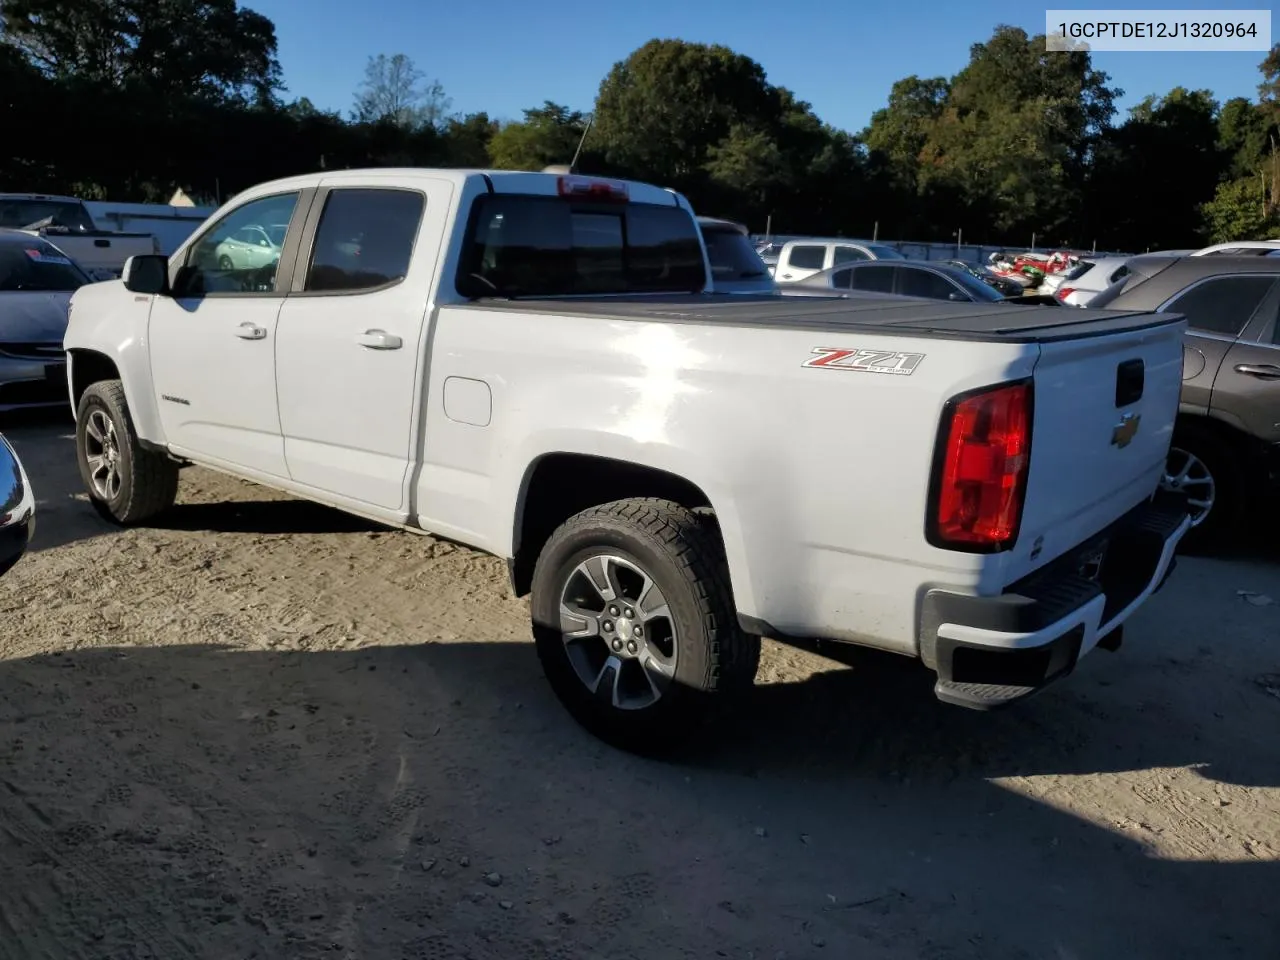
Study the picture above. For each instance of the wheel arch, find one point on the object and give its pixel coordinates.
(558, 484)
(89, 365)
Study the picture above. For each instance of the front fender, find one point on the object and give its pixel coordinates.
(109, 323)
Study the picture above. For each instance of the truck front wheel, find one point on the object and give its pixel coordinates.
(634, 622)
(126, 483)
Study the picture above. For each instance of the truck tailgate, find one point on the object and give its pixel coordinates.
(1104, 410)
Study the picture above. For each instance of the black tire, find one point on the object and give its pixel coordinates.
(224, 263)
(148, 481)
(1222, 464)
(683, 555)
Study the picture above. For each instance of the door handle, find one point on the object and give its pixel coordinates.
(379, 340)
(1263, 371)
(251, 331)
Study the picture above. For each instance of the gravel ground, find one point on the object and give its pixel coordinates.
(265, 729)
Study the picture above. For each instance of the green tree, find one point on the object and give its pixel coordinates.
(1241, 210)
(467, 139)
(548, 134)
(898, 131)
(660, 111)
(211, 49)
(395, 91)
(1138, 198)
(1242, 135)
(1017, 131)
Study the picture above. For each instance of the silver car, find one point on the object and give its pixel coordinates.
(36, 283)
(17, 508)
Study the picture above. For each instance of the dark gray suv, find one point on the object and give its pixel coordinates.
(1226, 447)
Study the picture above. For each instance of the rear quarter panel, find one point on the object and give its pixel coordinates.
(819, 476)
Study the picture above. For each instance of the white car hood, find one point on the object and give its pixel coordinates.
(33, 316)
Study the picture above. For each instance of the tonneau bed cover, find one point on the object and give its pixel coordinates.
(1007, 322)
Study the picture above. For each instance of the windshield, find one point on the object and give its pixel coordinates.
(884, 253)
(65, 213)
(36, 266)
(1079, 270)
(731, 254)
(527, 246)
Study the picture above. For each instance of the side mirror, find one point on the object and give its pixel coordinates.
(17, 508)
(146, 273)
(959, 297)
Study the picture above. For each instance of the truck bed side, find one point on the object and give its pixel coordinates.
(819, 477)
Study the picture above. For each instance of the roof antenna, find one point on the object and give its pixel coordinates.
(573, 164)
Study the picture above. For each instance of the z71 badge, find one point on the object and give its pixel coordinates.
(865, 361)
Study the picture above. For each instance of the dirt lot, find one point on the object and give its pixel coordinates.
(268, 730)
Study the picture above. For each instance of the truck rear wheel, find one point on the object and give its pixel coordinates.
(126, 483)
(635, 624)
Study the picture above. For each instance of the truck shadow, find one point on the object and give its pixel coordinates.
(45, 442)
(275, 516)
(217, 802)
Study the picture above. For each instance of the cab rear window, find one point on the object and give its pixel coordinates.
(530, 246)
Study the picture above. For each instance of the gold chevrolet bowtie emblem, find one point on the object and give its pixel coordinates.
(1125, 430)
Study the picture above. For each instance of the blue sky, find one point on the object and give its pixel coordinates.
(504, 55)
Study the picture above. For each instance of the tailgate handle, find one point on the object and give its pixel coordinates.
(1130, 375)
(101, 243)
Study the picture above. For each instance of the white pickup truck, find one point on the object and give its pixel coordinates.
(532, 365)
(65, 222)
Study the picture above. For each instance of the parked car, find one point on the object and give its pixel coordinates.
(656, 464)
(1240, 248)
(735, 265)
(1078, 286)
(927, 279)
(66, 222)
(36, 283)
(1225, 454)
(252, 247)
(17, 508)
(1003, 285)
(803, 258)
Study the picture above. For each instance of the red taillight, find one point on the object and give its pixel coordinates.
(591, 188)
(1064, 292)
(982, 478)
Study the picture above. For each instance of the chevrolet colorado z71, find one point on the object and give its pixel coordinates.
(533, 365)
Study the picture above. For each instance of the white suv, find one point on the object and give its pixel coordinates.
(800, 259)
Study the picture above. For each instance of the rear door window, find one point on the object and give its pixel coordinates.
(807, 258)
(925, 283)
(364, 240)
(874, 278)
(1222, 305)
(849, 255)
